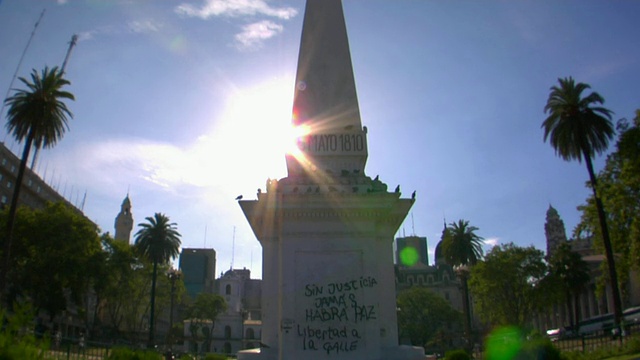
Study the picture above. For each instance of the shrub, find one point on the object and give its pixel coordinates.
(120, 353)
(540, 348)
(456, 355)
(215, 357)
(16, 342)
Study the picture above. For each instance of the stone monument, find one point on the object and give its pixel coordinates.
(327, 229)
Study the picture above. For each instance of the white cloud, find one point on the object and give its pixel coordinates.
(235, 8)
(145, 26)
(491, 242)
(252, 35)
(137, 27)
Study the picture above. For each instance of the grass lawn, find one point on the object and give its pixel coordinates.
(625, 357)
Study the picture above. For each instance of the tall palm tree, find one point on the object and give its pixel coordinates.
(38, 116)
(159, 241)
(578, 128)
(461, 248)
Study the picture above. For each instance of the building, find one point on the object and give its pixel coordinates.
(439, 278)
(412, 250)
(35, 192)
(240, 326)
(124, 221)
(198, 267)
(592, 302)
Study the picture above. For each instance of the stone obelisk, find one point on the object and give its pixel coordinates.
(327, 229)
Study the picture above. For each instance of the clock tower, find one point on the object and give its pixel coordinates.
(124, 221)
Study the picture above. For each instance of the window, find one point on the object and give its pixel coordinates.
(4, 199)
(250, 334)
(227, 289)
(446, 295)
(227, 332)
(9, 184)
(13, 168)
(38, 189)
(4, 161)
(30, 182)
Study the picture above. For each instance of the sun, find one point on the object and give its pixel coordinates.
(257, 129)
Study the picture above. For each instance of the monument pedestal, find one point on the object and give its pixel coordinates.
(328, 278)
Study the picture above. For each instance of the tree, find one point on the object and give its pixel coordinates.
(462, 248)
(619, 189)
(159, 241)
(506, 286)
(578, 128)
(56, 259)
(39, 117)
(572, 274)
(205, 309)
(423, 316)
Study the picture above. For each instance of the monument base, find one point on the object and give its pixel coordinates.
(402, 352)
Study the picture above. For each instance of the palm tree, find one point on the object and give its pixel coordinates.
(578, 128)
(573, 276)
(159, 241)
(38, 116)
(461, 248)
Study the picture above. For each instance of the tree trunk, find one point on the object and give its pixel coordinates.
(467, 310)
(570, 312)
(153, 303)
(4, 277)
(576, 302)
(613, 276)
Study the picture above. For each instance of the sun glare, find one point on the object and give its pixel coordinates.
(257, 127)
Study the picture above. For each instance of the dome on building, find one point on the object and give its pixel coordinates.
(439, 256)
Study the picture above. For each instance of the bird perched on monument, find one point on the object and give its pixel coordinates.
(239, 197)
(413, 195)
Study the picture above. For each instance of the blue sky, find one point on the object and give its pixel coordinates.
(183, 104)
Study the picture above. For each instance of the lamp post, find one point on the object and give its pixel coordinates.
(463, 273)
(173, 275)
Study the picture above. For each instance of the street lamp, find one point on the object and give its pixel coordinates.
(173, 275)
(463, 273)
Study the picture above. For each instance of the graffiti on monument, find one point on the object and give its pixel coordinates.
(334, 314)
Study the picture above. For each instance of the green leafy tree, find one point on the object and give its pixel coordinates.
(506, 286)
(38, 116)
(425, 318)
(204, 310)
(578, 128)
(159, 241)
(462, 248)
(56, 257)
(572, 274)
(619, 187)
(124, 288)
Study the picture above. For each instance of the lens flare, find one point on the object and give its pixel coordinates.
(409, 256)
(503, 343)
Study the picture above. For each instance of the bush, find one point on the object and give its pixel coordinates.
(120, 353)
(215, 357)
(456, 355)
(16, 342)
(540, 348)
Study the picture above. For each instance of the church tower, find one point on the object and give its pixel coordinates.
(554, 230)
(327, 229)
(124, 221)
